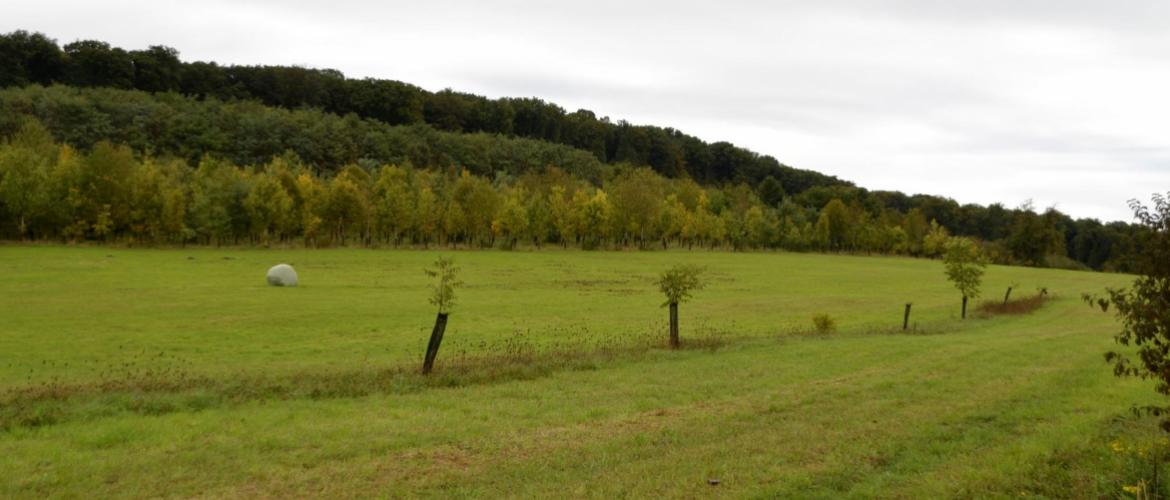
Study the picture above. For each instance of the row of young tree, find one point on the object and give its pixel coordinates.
(53, 191)
(50, 190)
(32, 58)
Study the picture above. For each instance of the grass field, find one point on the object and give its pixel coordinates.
(180, 373)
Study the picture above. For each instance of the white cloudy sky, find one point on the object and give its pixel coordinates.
(1063, 102)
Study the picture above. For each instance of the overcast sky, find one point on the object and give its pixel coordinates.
(1064, 102)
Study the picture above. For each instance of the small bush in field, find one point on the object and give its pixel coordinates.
(823, 323)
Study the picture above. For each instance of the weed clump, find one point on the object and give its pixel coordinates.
(824, 324)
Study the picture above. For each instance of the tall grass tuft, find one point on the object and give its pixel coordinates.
(824, 324)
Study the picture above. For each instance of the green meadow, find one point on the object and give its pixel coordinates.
(179, 372)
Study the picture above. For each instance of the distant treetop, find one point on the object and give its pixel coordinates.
(33, 58)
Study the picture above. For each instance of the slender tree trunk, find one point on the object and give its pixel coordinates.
(674, 325)
(906, 318)
(1006, 295)
(433, 345)
(964, 307)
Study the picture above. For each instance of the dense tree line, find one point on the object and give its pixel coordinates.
(187, 115)
(32, 58)
(53, 191)
(247, 133)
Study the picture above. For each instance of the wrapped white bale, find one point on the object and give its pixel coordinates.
(282, 275)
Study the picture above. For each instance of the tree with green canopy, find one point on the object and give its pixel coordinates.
(442, 296)
(677, 284)
(1144, 308)
(965, 264)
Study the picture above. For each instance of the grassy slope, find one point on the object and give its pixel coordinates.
(978, 408)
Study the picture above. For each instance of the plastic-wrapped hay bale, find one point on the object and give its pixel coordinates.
(282, 275)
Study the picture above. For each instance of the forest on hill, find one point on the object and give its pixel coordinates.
(36, 59)
(106, 144)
